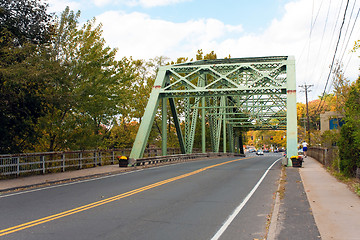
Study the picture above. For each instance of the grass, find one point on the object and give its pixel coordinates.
(281, 189)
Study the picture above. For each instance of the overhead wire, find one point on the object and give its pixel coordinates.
(357, 15)
(330, 43)
(322, 37)
(333, 59)
(344, 45)
(351, 32)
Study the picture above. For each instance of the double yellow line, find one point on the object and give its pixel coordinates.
(104, 201)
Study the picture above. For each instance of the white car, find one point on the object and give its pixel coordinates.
(259, 152)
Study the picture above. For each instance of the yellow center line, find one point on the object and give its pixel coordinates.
(105, 201)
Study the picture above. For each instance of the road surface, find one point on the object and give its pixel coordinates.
(222, 198)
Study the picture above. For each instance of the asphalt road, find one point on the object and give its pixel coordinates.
(228, 198)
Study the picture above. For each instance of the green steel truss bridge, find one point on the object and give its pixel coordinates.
(228, 96)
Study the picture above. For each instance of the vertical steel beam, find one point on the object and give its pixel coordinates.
(164, 127)
(142, 136)
(291, 116)
(203, 125)
(187, 123)
(231, 138)
(203, 117)
(241, 144)
(177, 125)
(212, 123)
(223, 104)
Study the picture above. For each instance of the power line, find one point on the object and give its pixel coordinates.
(333, 36)
(344, 45)
(333, 60)
(352, 29)
(322, 40)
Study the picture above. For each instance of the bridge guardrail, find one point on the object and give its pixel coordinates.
(177, 157)
(46, 162)
(51, 162)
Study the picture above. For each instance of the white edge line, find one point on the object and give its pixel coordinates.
(242, 204)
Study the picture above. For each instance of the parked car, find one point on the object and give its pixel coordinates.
(266, 150)
(259, 152)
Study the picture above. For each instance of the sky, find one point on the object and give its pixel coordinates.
(316, 32)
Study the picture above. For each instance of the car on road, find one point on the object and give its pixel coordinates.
(259, 152)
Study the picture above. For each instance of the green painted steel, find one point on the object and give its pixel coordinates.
(177, 125)
(164, 127)
(291, 127)
(234, 95)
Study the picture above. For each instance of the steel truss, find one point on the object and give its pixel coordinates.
(233, 96)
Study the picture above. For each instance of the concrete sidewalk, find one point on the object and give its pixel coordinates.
(335, 208)
(315, 206)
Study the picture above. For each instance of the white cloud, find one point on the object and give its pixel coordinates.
(59, 6)
(138, 35)
(101, 3)
(154, 3)
(134, 3)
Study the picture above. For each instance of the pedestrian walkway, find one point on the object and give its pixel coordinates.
(292, 218)
(336, 209)
(315, 206)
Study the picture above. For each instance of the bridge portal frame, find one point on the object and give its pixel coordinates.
(233, 96)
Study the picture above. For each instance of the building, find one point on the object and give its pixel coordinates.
(330, 121)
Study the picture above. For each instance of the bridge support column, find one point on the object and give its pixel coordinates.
(203, 125)
(291, 116)
(241, 147)
(164, 128)
(223, 103)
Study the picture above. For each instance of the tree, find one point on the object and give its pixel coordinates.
(25, 28)
(26, 20)
(91, 90)
(349, 143)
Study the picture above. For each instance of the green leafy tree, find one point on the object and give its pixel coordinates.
(92, 88)
(25, 29)
(349, 143)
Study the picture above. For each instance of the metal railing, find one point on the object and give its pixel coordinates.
(51, 162)
(329, 157)
(325, 156)
(178, 157)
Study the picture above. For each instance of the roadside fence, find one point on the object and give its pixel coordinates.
(50, 162)
(329, 157)
(325, 156)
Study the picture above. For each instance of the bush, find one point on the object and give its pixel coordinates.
(349, 142)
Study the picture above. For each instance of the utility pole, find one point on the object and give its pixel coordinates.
(306, 90)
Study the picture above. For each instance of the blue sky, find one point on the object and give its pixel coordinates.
(146, 29)
(256, 14)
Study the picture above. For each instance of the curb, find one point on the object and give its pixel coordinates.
(275, 212)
